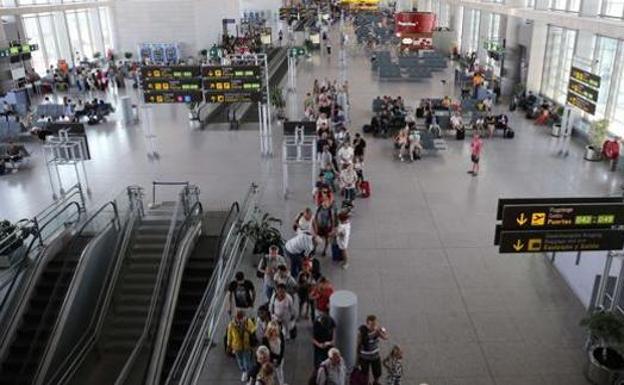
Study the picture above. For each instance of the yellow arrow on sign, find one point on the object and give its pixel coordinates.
(521, 220)
(518, 245)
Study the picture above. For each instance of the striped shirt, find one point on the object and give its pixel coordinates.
(300, 244)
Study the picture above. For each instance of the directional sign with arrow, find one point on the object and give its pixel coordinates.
(562, 240)
(563, 216)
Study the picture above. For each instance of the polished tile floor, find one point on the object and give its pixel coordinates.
(421, 248)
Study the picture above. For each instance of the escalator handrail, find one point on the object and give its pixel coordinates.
(161, 340)
(160, 279)
(76, 278)
(205, 304)
(66, 369)
(189, 341)
(212, 298)
(195, 323)
(22, 264)
(234, 208)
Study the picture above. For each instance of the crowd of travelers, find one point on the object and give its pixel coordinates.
(293, 287)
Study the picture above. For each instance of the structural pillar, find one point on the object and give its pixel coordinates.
(343, 310)
(536, 56)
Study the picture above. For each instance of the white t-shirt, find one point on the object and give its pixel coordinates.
(345, 154)
(343, 234)
(282, 310)
(304, 224)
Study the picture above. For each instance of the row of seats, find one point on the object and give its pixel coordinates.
(9, 129)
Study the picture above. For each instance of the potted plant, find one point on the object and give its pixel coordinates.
(262, 230)
(606, 334)
(598, 134)
(278, 101)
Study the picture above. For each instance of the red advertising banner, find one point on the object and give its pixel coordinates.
(408, 23)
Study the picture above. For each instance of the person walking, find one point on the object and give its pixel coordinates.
(298, 247)
(343, 234)
(266, 376)
(274, 340)
(475, 153)
(368, 347)
(263, 356)
(394, 366)
(333, 370)
(267, 269)
(240, 338)
(323, 337)
(282, 308)
(320, 294)
(241, 294)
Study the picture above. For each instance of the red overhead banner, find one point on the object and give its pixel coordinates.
(414, 22)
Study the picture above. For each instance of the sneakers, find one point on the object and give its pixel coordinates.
(345, 266)
(244, 377)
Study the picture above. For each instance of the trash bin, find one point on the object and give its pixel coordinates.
(556, 130)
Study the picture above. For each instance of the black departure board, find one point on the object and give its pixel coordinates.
(170, 72)
(231, 72)
(233, 97)
(583, 90)
(173, 85)
(581, 103)
(233, 85)
(166, 97)
(585, 77)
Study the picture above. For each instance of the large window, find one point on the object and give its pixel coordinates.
(494, 27)
(612, 8)
(67, 35)
(604, 62)
(558, 62)
(566, 5)
(442, 12)
(473, 26)
(616, 110)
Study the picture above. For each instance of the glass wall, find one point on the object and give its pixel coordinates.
(557, 63)
(472, 29)
(70, 35)
(566, 5)
(612, 8)
(442, 11)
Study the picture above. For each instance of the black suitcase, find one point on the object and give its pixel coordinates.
(420, 112)
(509, 134)
(367, 129)
(460, 134)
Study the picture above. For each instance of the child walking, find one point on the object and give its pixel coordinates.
(394, 366)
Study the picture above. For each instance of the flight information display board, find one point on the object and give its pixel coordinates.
(231, 72)
(581, 103)
(173, 85)
(583, 89)
(218, 84)
(233, 97)
(166, 97)
(170, 72)
(233, 85)
(585, 77)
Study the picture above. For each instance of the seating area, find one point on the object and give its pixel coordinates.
(12, 156)
(369, 29)
(408, 67)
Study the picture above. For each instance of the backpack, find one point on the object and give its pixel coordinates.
(509, 134)
(242, 297)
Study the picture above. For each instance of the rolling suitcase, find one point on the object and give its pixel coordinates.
(509, 134)
(460, 134)
(365, 188)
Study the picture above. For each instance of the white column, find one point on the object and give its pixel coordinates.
(466, 31)
(457, 19)
(484, 24)
(536, 56)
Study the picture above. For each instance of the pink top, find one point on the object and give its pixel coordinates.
(475, 146)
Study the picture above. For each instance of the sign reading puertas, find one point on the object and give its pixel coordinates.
(561, 224)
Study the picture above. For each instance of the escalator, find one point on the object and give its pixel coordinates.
(33, 332)
(132, 295)
(195, 279)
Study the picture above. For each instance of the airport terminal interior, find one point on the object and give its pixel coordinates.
(293, 192)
